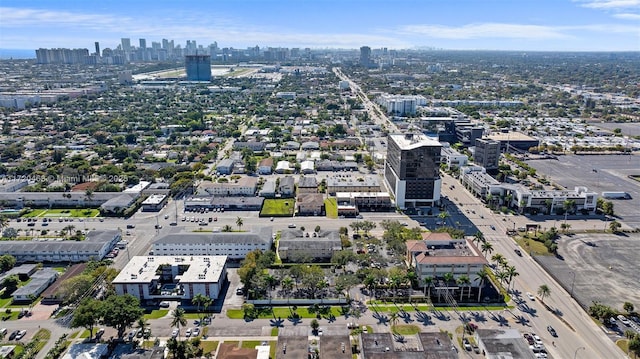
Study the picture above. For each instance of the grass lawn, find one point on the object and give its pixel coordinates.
(331, 207)
(623, 344)
(405, 329)
(250, 344)
(18, 349)
(282, 312)
(425, 307)
(193, 315)
(55, 213)
(209, 346)
(5, 302)
(272, 350)
(85, 334)
(34, 213)
(274, 332)
(532, 246)
(278, 207)
(156, 314)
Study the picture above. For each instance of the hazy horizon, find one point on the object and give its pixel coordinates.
(500, 25)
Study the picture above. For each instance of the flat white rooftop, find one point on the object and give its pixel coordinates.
(410, 141)
(144, 269)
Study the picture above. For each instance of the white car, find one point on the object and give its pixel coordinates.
(175, 333)
(530, 296)
(196, 332)
(623, 319)
(187, 333)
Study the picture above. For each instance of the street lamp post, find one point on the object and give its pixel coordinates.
(576, 353)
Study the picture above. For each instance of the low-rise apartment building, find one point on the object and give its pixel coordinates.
(346, 183)
(234, 245)
(172, 277)
(245, 186)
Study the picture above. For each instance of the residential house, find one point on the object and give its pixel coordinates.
(265, 166)
(307, 184)
(310, 204)
(225, 167)
(287, 186)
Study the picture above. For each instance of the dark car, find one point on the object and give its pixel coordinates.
(552, 331)
(518, 252)
(13, 334)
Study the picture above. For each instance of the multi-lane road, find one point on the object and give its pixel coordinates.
(576, 329)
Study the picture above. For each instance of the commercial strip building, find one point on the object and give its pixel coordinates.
(412, 170)
(172, 277)
(503, 343)
(452, 158)
(437, 254)
(479, 182)
(348, 183)
(418, 346)
(154, 202)
(365, 201)
(234, 245)
(96, 246)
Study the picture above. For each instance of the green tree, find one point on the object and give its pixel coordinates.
(10, 284)
(483, 276)
(142, 326)
(87, 314)
(487, 247)
(75, 287)
(239, 222)
(7, 261)
(544, 291)
(199, 300)
(121, 311)
(615, 226)
(428, 282)
(314, 325)
(628, 307)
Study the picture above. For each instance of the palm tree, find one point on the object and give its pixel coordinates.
(486, 248)
(178, 319)
(478, 238)
(428, 282)
(544, 291)
(511, 273)
(4, 221)
(198, 300)
(489, 199)
(69, 229)
(443, 216)
(239, 223)
(287, 285)
(227, 228)
(549, 204)
(142, 325)
(463, 281)
(448, 278)
(498, 258)
(502, 276)
(393, 318)
(483, 275)
(88, 195)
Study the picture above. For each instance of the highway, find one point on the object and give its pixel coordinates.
(582, 331)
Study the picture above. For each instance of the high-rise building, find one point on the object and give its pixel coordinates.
(412, 170)
(365, 56)
(198, 67)
(97, 48)
(143, 43)
(126, 44)
(487, 154)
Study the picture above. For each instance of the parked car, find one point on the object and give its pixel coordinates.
(99, 333)
(165, 304)
(175, 333)
(196, 332)
(466, 344)
(623, 319)
(530, 296)
(187, 333)
(13, 335)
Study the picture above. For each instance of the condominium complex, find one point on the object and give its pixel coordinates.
(172, 277)
(198, 67)
(412, 170)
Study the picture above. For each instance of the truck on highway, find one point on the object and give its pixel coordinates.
(615, 195)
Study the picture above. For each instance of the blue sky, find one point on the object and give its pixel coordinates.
(530, 25)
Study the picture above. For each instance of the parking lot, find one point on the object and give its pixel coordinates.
(598, 173)
(605, 268)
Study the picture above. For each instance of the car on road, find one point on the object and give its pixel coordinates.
(552, 331)
(175, 333)
(518, 252)
(196, 332)
(131, 226)
(292, 225)
(13, 334)
(187, 333)
(21, 334)
(530, 296)
(466, 344)
(492, 227)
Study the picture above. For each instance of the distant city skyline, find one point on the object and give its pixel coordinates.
(523, 25)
